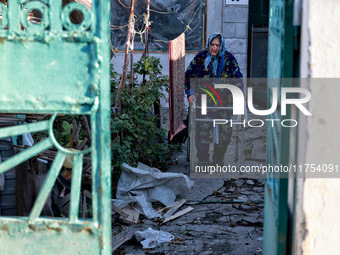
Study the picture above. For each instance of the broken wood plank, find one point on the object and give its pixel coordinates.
(84, 209)
(179, 214)
(76, 137)
(73, 132)
(132, 217)
(87, 166)
(174, 207)
(118, 240)
(166, 209)
(52, 154)
(118, 210)
(88, 194)
(87, 127)
(46, 158)
(113, 207)
(83, 143)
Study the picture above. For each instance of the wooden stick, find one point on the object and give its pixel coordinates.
(83, 143)
(179, 214)
(84, 205)
(118, 210)
(174, 207)
(87, 166)
(146, 30)
(46, 158)
(73, 132)
(113, 207)
(87, 127)
(131, 61)
(128, 42)
(76, 137)
(118, 240)
(132, 217)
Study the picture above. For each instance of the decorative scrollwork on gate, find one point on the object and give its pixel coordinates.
(36, 27)
(3, 15)
(37, 18)
(66, 13)
(52, 64)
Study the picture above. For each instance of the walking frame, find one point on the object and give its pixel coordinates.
(239, 130)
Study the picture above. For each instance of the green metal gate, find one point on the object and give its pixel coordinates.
(58, 67)
(280, 65)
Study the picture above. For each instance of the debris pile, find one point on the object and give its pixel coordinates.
(137, 189)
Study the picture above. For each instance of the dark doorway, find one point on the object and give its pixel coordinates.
(258, 49)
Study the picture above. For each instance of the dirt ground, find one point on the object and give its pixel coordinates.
(228, 213)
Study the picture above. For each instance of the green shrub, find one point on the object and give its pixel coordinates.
(140, 140)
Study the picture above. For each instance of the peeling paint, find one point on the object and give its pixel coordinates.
(87, 229)
(55, 229)
(5, 228)
(101, 240)
(32, 227)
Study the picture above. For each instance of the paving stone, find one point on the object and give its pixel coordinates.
(250, 182)
(204, 187)
(258, 189)
(239, 183)
(183, 228)
(241, 198)
(223, 219)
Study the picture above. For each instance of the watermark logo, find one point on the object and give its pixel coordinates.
(239, 99)
(239, 127)
(204, 97)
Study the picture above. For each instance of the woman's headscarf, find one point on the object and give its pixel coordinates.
(217, 61)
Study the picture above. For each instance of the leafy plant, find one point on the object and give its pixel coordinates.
(140, 140)
(136, 136)
(63, 129)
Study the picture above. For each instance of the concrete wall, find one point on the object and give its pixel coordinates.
(319, 142)
(232, 22)
(235, 31)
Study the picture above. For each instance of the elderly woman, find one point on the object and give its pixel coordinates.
(215, 61)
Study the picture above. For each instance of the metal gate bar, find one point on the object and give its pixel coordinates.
(58, 67)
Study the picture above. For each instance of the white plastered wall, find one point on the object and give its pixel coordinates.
(319, 139)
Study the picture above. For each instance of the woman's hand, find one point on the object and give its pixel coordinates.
(192, 99)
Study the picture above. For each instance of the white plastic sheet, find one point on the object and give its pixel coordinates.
(27, 139)
(151, 238)
(152, 183)
(144, 184)
(140, 204)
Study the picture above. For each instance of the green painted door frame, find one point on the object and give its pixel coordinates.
(280, 65)
(57, 67)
